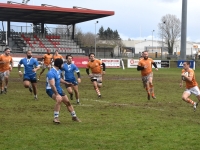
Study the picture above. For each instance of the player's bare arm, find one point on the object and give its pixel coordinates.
(11, 64)
(65, 82)
(181, 84)
(57, 95)
(19, 70)
(36, 69)
(52, 84)
(79, 77)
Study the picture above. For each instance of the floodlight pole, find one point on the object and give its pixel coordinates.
(183, 30)
(95, 39)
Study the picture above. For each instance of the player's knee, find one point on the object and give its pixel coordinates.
(26, 86)
(184, 98)
(70, 92)
(99, 84)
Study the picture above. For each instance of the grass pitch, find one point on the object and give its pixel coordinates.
(123, 119)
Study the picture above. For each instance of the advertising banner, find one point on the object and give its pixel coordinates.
(111, 63)
(180, 63)
(16, 61)
(158, 63)
(132, 63)
(80, 62)
(165, 64)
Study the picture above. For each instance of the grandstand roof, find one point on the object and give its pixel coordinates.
(48, 15)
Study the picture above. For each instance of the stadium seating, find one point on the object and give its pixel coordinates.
(40, 43)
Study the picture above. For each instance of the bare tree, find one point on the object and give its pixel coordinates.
(169, 31)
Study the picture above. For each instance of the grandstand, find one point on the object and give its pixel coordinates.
(39, 42)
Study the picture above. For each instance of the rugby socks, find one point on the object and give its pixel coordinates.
(152, 90)
(56, 114)
(73, 114)
(148, 90)
(97, 90)
(35, 96)
(188, 100)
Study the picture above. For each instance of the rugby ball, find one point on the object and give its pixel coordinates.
(186, 74)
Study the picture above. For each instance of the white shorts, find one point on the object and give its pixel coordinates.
(4, 74)
(194, 90)
(96, 77)
(46, 66)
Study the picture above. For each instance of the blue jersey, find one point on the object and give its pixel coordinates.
(29, 65)
(54, 74)
(69, 70)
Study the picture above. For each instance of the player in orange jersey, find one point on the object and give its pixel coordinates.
(145, 66)
(46, 62)
(6, 64)
(96, 75)
(188, 76)
(57, 55)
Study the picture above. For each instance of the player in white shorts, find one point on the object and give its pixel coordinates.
(188, 76)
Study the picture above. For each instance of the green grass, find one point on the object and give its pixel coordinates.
(123, 119)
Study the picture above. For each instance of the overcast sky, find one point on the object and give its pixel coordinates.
(134, 19)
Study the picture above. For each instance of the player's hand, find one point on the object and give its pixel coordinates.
(181, 85)
(34, 70)
(90, 75)
(68, 83)
(103, 72)
(79, 80)
(183, 74)
(20, 74)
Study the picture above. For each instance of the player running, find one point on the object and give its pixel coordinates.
(6, 65)
(145, 66)
(57, 55)
(30, 68)
(191, 84)
(46, 62)
(69, 69)
(54, 90)
(96, 75)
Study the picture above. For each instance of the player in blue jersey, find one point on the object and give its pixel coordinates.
(30, 67)
(54, 90)
(69, 69)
